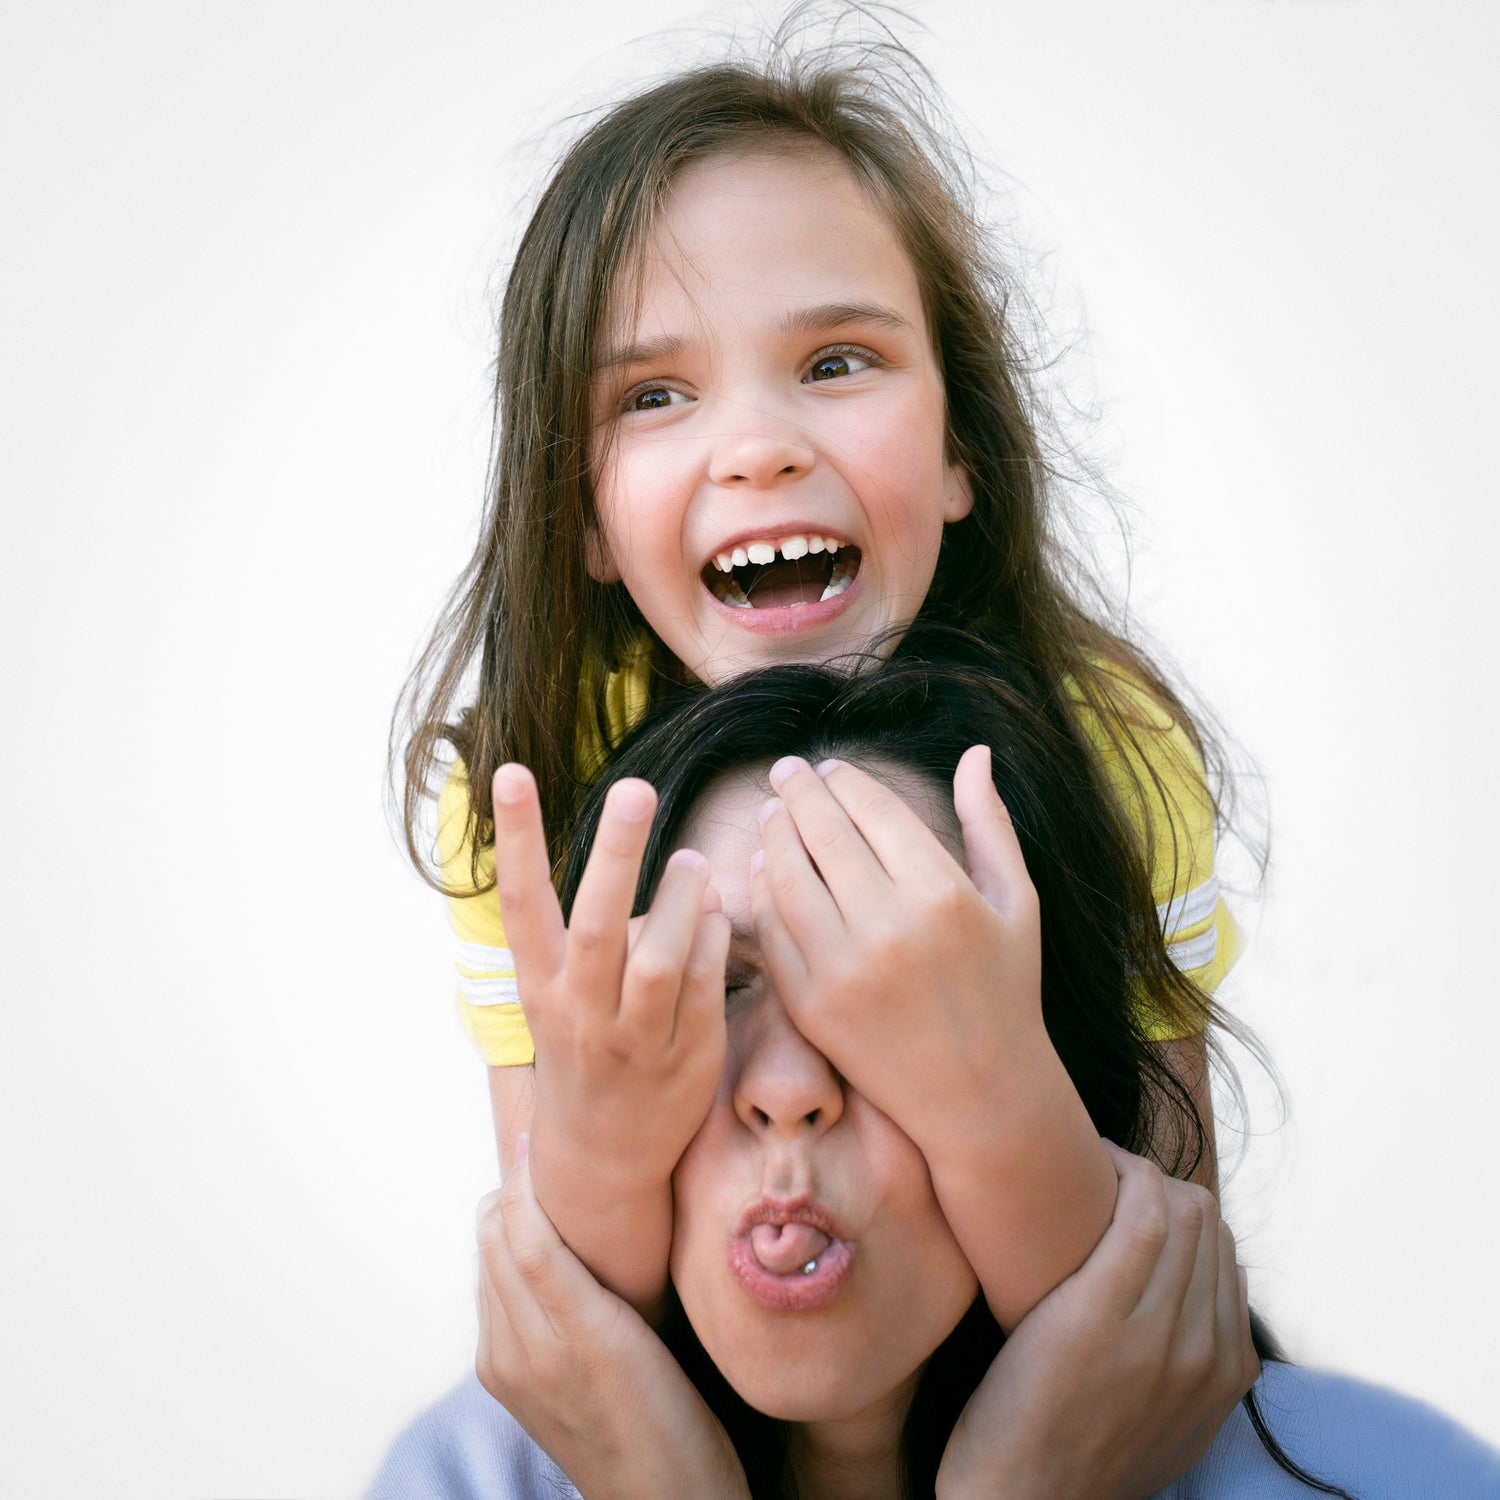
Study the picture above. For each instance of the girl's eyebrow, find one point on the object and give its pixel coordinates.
(643, 352)
(822, 316)
(817, 318)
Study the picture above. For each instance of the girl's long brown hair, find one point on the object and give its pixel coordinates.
(545, 635)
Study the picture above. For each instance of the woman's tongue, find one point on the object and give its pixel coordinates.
(785, 1248)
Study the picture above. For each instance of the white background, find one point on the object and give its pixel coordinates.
(246, 277)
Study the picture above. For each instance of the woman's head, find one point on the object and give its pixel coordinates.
(793, 1167)
(916, 714)
(804, 1216)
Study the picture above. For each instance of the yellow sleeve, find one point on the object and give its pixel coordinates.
(1160, 781)
(488, 1004)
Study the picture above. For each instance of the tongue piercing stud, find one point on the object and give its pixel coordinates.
(810, 1267)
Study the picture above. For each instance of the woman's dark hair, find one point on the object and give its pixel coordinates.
(1103, 960)
(1104, 966)
(545, 636)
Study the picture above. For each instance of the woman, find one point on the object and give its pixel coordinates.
(832, 1330)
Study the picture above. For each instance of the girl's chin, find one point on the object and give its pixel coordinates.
(716, 655)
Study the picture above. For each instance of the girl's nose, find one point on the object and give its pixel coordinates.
(785, 1087)
(755, 454)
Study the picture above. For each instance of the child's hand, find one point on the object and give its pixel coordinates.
(920, 988)
(585, 1377)
(923, 987)
(628, 1025)
(1115, 1384)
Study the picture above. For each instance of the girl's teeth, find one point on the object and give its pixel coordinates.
(733, 595)
(791, 548)
(840, 579)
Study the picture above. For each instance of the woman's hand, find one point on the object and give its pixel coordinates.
(628, 1024)
(1115, 1384)
(581, 1372)
(922, 984)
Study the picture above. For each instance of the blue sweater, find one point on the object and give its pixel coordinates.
(1374, 1443)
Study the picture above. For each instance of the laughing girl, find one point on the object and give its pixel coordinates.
(759, 401)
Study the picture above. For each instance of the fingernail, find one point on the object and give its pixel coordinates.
(689, 858)
(757, 861)
(631, 801)
(784, 768)
(823, 767)
(523, 1145)
(510, 783)
(766, 809)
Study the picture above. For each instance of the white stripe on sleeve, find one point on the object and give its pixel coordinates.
(1196, 952)
(1190, 908)
(489, 991)
(485, 960)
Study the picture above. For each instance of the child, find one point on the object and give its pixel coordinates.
(757, 402)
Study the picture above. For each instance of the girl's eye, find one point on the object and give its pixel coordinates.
(832, 364)
(652, 398)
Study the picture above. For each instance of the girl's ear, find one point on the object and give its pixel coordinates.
(958, 493)
(600, 560)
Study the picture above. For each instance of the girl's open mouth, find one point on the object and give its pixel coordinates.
(782, 572)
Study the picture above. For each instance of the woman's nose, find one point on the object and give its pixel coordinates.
(756, 451)
(785, 1086)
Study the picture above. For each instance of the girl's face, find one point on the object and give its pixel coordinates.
(770, 404)
(809, 1251)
